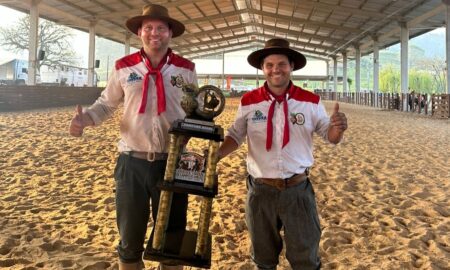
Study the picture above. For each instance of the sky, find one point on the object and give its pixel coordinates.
(9, 16)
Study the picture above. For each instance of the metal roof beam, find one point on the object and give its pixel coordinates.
(183, 48)
(306, 22)
(138, 10)
(440, 8)
(239, 26)
(259, 43)
(330, 7)
(71, 20)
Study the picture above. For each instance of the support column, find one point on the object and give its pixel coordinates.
(344, 73)
(357, 68)
(127, 43)
(404, 39)
(33, 44)
(447, 43)
(327, 84)
(91, 55)
(335, 79)
(223, 71)
(376, 69)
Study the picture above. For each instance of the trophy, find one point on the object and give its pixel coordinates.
(191, 173)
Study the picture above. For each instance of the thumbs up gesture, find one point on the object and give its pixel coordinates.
(77, 124)
(338, 120)
(338, 124)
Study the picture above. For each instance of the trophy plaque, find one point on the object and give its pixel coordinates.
(190, 173)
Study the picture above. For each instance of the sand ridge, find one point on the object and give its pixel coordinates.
(381, 194)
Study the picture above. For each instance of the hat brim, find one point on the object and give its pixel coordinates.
(256, 57)
(133, 24)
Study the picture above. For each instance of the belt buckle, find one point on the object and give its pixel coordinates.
(151, 156)
(280, 184)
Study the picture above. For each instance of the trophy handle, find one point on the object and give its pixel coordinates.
(162, 219)
(203, 227)
(211, 164)
(176, 142)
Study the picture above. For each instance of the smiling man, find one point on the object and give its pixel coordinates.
(279, 120)
(144, 83)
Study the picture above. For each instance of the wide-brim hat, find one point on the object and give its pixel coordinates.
(277, 46)
(153, 11)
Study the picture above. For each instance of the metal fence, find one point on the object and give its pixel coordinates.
(19, 98)
(435, 105)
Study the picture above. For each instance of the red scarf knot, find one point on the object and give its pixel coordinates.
(281, 98)
(160, 91)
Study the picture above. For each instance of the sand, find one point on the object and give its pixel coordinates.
(382, 194)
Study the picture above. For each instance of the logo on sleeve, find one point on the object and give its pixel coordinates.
(133, 77)
(297, 119)
(258, 116)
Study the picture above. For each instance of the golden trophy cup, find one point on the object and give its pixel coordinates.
(191, 173)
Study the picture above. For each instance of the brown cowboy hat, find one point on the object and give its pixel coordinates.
(277, 46)
(153, 11)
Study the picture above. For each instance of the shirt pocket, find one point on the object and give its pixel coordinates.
(257, 130)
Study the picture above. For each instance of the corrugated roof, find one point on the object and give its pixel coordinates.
(321, 29)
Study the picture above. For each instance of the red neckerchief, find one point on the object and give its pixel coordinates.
(280, 98)
(160, 92)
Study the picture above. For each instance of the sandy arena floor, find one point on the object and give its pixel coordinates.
(382, 194)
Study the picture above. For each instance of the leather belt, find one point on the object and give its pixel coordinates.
(282, 184)
(149, 156)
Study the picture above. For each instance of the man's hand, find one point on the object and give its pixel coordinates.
(338, 124)
(338, 120)
(78, 123)
(228, 146)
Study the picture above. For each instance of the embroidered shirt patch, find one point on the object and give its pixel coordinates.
(297, 119)
(258, 116)
(133, 77)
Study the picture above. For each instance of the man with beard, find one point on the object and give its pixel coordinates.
(144, 83)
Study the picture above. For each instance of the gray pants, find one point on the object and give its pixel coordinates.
(136, 186)
(293, 209)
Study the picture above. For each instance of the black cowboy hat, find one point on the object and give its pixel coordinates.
(277, 46)
(153, 11)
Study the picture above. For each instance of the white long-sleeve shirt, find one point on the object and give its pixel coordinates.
(306, 116)
(147, 132)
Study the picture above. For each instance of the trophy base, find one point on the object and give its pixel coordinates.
(188, 187)
(179, 249)
(198, 129)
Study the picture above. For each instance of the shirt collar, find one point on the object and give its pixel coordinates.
(269, 95)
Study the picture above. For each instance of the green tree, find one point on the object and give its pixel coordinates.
(420, 81)
(349, 81)
(389, 80)
(436, 68)
(53, 39)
